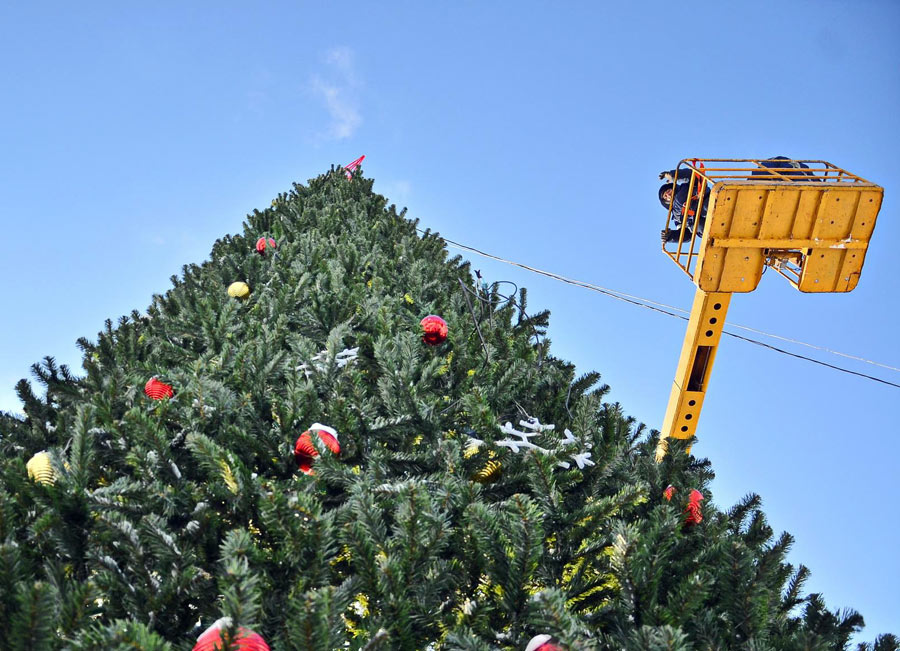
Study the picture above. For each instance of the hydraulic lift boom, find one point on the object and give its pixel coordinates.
(809, 220)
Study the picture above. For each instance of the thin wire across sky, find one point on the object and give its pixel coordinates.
(679, 313)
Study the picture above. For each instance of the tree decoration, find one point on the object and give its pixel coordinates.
(349, 167)
(434, 330)
(319, 363)
(304, 450)
(544, 642)
(264, 242)
(489, 473)
(522, 442)
(472, 447)
(239, 289)
(581, 459)
(40, 469)
(158, 390)
(668, 492)
(245, 639)
(569, 438)
(693, 510)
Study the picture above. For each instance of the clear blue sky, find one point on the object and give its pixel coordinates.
(134, 135)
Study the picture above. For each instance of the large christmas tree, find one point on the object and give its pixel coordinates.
(284, 440)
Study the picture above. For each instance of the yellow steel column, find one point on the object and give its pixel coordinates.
(694, 367)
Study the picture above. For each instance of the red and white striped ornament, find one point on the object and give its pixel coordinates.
(544, 642)
(245, 639)
(158, 390)
(304, 450)
(434, 330)
(670, 490)
(264, 242)
(694, 514)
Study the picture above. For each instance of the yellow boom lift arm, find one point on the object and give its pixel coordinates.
(809, 220)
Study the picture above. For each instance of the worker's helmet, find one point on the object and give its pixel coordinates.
(666, 186)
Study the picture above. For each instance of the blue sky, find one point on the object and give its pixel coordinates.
(133, 137)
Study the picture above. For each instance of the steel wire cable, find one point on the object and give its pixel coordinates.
(679, 313)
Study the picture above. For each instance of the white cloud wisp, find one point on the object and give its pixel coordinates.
(339, 93)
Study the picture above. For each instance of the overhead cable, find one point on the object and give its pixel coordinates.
(680, 313)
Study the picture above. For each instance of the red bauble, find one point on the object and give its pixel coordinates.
(670, 490)
(434, 330)
(245, 639)
(304, 450)
(262, 243)
(158, 390)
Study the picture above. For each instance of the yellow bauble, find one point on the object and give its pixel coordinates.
(40, 469)
(489, 473)
(239, 289)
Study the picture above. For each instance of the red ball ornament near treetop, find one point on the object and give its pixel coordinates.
(670, 490)
(304, 450)
(434, 330)
(245, 639)
(157, 390)
(262, 243)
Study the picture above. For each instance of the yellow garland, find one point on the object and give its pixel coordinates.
(489, 473)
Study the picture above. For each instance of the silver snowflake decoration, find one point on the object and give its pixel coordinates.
(319, 361)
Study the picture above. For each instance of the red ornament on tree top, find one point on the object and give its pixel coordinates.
(670, 490)
(349, 167)
(693, 510)
(158, 390)
(434, 330)
(245, 639)
(262, 243)
(304, 450)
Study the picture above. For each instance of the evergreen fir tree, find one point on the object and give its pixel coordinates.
(436, 526)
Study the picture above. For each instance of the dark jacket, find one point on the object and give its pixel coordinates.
(680, 198)
(795, 170)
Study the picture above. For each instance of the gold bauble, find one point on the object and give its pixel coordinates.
(239, 289)
(40, 469)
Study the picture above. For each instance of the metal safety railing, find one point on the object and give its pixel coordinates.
(770, 169)
(687, 247)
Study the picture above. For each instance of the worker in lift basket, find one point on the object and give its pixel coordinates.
(675, 193)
